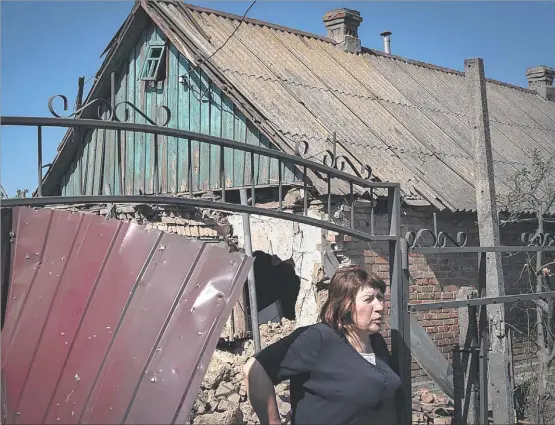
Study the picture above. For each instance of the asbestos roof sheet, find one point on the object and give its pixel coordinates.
(408, 120)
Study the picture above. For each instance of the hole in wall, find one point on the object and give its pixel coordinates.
(276, 280)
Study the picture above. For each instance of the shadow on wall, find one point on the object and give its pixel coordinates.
(276, 280)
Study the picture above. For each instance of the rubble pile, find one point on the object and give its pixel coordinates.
(222, 398)
(222, 395)
(430, 408)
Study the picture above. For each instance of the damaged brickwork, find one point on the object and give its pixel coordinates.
(439, 277)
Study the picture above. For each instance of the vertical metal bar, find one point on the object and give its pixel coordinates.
(305, 187)
(352, 202)
(280, 185)
(329, 198)
(39, 159)
(6, 249)
(484, 348)
(435, 225)
(156, 170)
(372, 211)
(77, 134)
(122, 157)
(467, 401)
(222, 172)
(252, 286)
(400, 321)
(253, 193)
(484, 340)
(190, 167)
(113, 94)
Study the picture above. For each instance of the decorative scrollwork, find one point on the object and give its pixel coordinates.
(365, 172)
(439, 240)
(161, 112)
(107, 112)
(335, 161)
(301, 144)
(100, 112)
(340, 161)
(537, 239)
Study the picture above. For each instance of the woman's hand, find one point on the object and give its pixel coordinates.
(261, 392)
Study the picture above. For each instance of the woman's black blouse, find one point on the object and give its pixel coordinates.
(330, 382)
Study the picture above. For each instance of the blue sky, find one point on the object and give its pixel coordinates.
(46, 46)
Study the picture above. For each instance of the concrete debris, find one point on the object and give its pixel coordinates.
(222, 395)
(430, 408)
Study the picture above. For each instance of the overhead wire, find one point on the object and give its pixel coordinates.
(220, 48)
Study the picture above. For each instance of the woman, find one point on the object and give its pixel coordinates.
(339, 368)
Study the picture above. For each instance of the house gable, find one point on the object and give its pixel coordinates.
(124, 162)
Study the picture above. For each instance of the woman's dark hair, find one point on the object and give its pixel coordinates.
(342, 292)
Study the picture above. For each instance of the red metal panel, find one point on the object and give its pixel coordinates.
(27, 254)
(120, 330)
(148, 311)
(205, 303)
(76, 285)
(19, 353)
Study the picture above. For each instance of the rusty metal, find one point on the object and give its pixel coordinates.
(108, 322)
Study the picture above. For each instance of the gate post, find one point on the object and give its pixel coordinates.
(399, 299)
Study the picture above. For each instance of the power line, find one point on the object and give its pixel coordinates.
(221, 47)
(213, 53)
(232, 34)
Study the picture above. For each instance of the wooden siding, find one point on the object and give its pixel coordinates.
(124, 161)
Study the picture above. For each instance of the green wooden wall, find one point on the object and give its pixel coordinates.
(125, 161)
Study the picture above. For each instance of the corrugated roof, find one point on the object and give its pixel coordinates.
(407, 120)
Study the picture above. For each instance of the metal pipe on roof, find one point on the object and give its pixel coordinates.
(386, 41)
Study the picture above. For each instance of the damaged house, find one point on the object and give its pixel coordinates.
(272, 86)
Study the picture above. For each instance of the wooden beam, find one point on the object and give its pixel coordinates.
(488, 223)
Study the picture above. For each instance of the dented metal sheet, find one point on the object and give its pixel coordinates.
(108, 322)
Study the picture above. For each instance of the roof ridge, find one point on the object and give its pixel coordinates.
(254, 21)
(331, 41)
(442, 68)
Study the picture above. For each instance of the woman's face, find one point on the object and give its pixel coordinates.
(367, 311)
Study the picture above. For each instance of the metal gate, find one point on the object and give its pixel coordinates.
(407, 336)
(334, 170)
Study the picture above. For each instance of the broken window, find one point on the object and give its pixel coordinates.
(154, 59)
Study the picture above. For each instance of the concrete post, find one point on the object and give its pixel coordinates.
(500, 391)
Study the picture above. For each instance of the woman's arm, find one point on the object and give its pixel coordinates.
(294, 354)
(260, 392)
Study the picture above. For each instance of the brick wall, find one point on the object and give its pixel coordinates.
(439, 277)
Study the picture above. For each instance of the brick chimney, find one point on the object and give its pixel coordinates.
(342, 26)
(540, 79)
